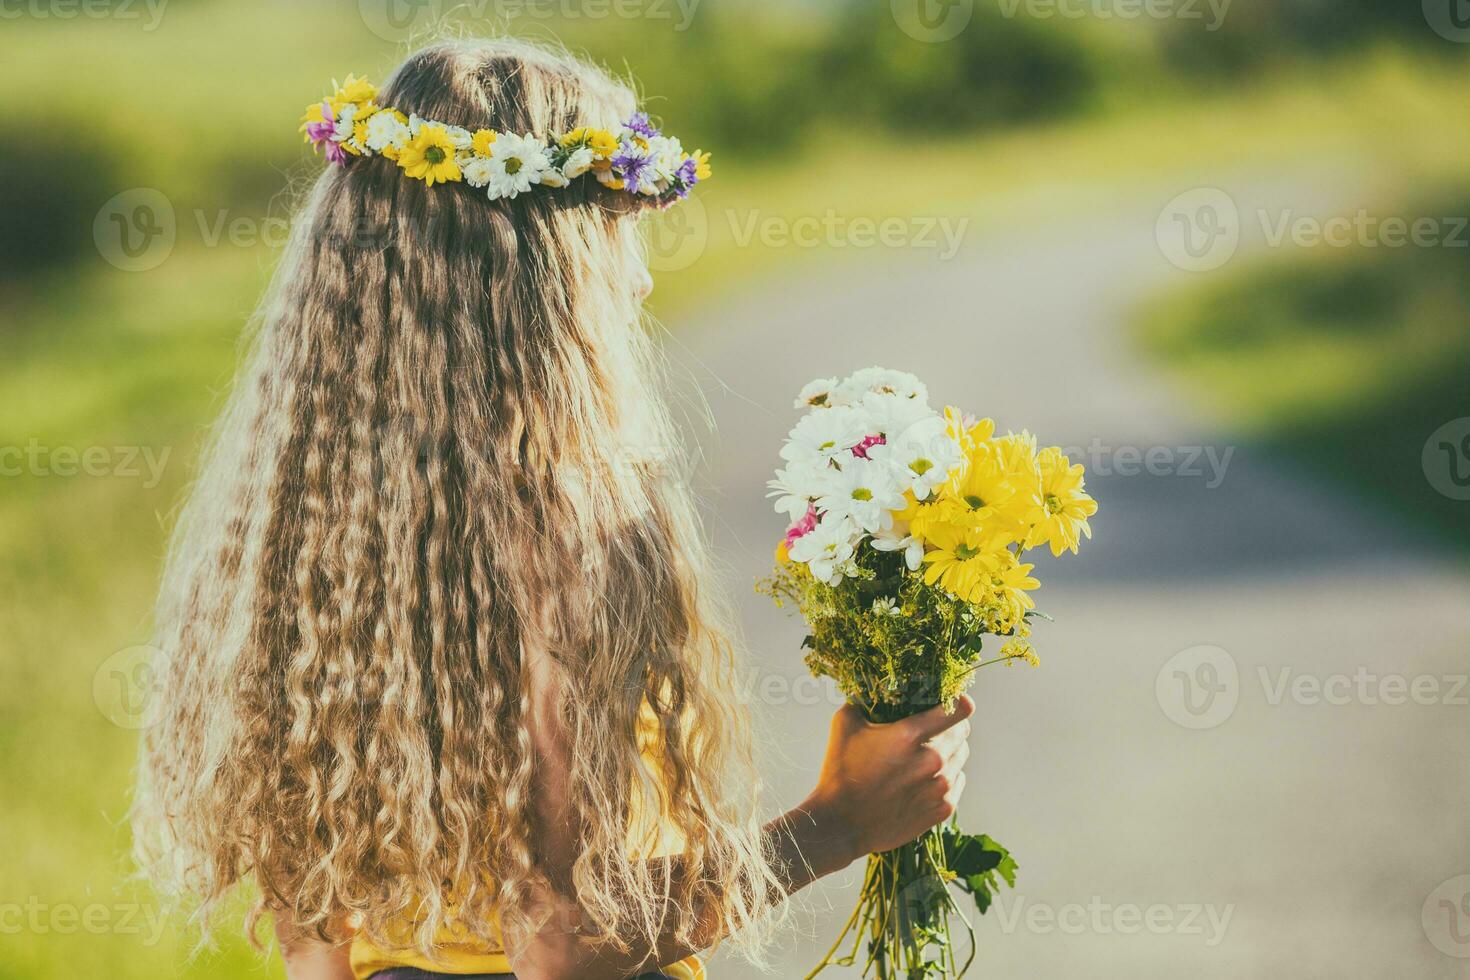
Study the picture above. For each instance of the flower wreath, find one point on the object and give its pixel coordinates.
(638, 159)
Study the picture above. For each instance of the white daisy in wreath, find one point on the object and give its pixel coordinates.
(518, 162)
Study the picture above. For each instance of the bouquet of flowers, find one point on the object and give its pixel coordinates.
(904, 553)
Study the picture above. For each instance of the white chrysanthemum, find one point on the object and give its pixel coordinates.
(417, 122)
(799, 483)
(826, 548)
(825, 435)
(579, 161)
(342, 128)
(477, 170)
(519, 162)
(889, 415)
(922, 455)
(554, 178)
(864, 492)
(884, 381)
(384, 129)
(898, 539)
(459, 136)
(817, 394)
(665, 153)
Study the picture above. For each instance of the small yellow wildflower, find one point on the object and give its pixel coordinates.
(1019, 649)
(481, 140)
(602, 143)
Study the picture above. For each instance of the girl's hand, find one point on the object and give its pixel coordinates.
(882, 786)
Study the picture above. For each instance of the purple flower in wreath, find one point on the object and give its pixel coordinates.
(635, 165)
(638, 123)
(323, 135)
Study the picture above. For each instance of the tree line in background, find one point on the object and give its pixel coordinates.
(761, 76)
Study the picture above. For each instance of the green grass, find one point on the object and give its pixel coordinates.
(1344, 359)
(99, 357)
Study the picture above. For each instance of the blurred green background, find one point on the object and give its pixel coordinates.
(1326, 353)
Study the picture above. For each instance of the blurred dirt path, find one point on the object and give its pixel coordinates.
(1175, 810)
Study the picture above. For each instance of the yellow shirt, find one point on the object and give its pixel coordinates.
(461, 953)
(468, 957)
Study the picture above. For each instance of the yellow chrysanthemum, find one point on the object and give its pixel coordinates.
(961, 560)
(1008, 590)
(1065, 506)
(429, 156)
(602, 143)
(969, 433)
(986, 495)
(1017, 454)
(482, 140)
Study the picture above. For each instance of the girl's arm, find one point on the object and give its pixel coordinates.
(881, 786)
(307, 956)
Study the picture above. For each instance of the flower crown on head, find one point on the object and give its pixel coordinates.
(637, 159)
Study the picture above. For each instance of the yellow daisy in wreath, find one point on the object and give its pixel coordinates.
(1065, 506)
(429, 156)
(701, 164)
(355, 89)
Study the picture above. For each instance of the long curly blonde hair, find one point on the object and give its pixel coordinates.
(447, 448)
